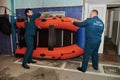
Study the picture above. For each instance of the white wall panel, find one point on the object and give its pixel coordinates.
(28, 4)
(59, 3)
(46, 3)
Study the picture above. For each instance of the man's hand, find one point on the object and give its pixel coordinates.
(72, 21)
(39, 27)
(41, 17)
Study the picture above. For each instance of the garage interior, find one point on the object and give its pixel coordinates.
(109, 52)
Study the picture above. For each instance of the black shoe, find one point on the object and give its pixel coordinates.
(95, 68)
(25, 66)
(80, 69)
(32, 62)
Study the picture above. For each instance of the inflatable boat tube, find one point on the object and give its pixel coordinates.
(52, 52)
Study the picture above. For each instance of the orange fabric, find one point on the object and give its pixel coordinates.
(20, 24)
(58, 53)
(60, 23)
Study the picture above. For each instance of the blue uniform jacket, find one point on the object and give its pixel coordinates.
(94, 27)
(30, 27)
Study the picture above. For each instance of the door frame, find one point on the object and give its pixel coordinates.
(102, 15)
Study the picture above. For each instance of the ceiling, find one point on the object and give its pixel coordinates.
(113, 6)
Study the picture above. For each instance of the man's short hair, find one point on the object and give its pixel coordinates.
(27, 10)
(96, 11)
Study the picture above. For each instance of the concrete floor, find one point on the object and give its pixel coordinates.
(10, 69)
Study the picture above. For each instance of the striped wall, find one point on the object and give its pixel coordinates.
(74, 12)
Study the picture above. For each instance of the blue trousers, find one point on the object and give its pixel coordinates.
(91, 50)
(30, 46)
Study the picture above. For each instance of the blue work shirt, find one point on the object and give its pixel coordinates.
(30, 27)
(94, 27)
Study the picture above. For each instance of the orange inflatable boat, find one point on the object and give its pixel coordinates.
(52, 52)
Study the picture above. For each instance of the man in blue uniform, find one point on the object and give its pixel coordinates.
(94, 28)
(30, 30)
